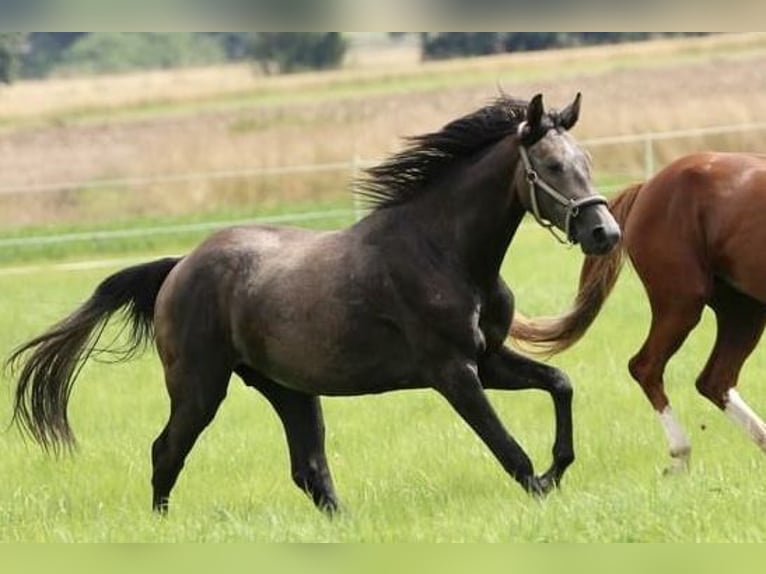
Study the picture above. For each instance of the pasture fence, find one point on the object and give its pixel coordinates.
(649, 140)
(618, 173)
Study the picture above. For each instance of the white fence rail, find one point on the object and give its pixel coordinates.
(648, 141)
(180, 178)
(172, 229)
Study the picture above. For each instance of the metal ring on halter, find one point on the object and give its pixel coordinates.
(573, 210)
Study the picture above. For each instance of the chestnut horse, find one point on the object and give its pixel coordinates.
(408, 297)
(695, 235)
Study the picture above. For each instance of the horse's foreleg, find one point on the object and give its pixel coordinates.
(459, 383)
(301, 417)
(679, 445)
(508, 370)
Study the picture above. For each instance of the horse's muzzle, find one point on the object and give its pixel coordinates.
(596, 230)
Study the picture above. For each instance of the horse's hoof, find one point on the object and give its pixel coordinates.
(675, 470)
(160, 508)
(551, 479)
(330, 507)
(540, 486)
(678, 466)
(548, 482)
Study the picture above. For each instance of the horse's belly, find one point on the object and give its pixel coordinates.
(748, 278)
(335, 378)
(316, 361)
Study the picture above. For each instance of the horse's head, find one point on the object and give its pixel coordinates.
(555, 182)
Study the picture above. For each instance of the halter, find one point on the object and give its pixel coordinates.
(572, 206)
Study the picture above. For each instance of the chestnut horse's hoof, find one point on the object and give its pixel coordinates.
(678, 466)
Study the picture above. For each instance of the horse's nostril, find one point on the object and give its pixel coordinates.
(599, 234)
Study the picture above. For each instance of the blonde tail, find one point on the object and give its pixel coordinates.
(552, 335)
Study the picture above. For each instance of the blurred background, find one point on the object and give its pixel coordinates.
(115, 142)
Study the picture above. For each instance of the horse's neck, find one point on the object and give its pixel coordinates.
(475, 214)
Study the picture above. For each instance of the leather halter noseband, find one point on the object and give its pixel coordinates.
(572, 206)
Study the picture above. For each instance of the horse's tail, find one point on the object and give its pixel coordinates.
(551, 335)
(49, 364)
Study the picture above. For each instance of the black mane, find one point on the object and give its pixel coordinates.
(405, 174)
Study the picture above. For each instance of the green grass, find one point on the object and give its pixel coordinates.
(145, 234)
(405, 466)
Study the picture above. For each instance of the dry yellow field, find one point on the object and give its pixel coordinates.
(70, 131)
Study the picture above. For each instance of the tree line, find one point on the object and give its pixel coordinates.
(456, 44)
(43, 54)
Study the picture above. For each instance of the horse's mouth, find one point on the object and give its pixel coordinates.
(596, 231)
(599, 239)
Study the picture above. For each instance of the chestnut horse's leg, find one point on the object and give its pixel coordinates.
(508, 370)
(301, 416)
(674, 315)
(196, 391)
(741, 321)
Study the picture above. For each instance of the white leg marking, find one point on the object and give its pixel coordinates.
(680, 447)
(741, 414)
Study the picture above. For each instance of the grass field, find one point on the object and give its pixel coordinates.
(405, 466)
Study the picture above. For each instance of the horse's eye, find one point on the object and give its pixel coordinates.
(556, 167)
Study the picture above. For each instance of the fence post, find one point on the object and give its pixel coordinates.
(648, 156)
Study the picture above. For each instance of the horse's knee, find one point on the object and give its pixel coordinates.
(561, 386)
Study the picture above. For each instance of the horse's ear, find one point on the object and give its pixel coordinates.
(535, 112)
(571, 113)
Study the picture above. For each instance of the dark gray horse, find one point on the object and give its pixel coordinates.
(408, 297)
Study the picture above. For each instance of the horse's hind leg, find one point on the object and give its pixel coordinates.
(301, 417)
(674, 315)
(196, 392)
(740, 321)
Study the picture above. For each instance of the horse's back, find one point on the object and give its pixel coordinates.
(702, 217)
(232, 254)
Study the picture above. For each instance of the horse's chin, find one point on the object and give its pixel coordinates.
(597, 248)
(600, 237)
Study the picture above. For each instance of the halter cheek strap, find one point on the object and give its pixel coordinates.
(572, 206)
